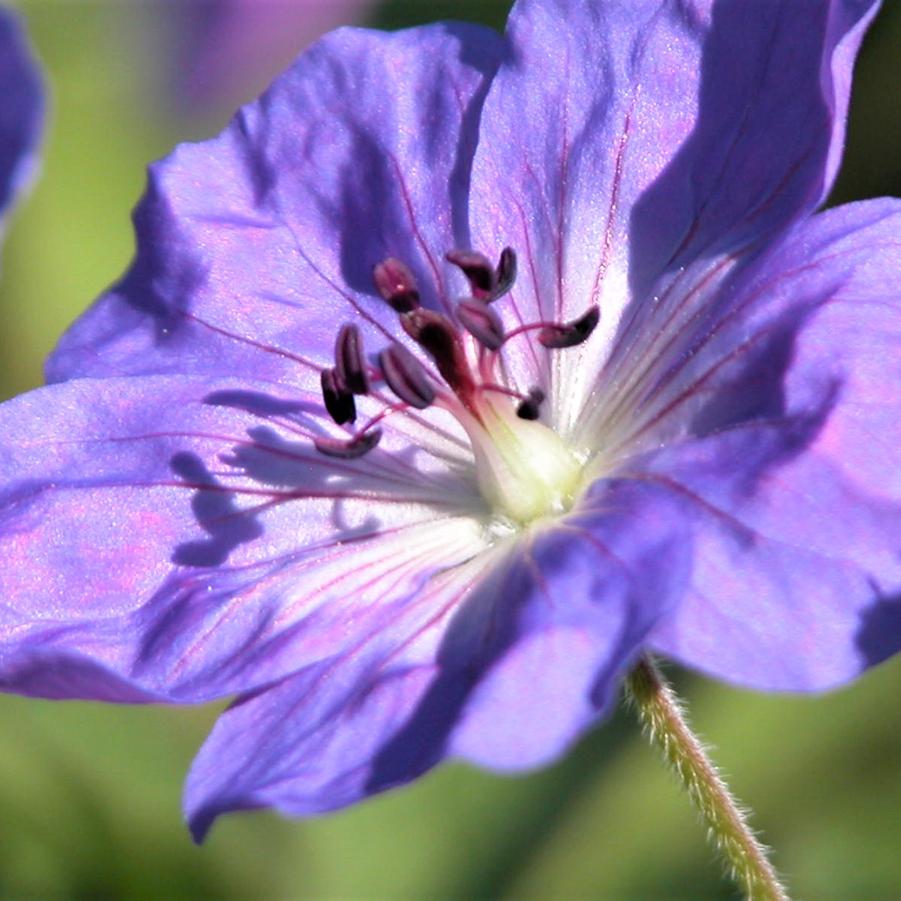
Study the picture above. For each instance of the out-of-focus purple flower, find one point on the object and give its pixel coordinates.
(284, 459)
(21, 111)
(226, 45)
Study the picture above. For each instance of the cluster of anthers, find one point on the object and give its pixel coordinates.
(523, 468)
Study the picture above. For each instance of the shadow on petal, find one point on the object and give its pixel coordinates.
(479, 634)
(260, 404)
(533, 656)
(757, 154)
(156, 275)
(216, 512)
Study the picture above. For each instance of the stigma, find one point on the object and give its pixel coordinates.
(523, 468)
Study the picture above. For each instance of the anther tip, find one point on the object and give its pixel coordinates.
(530, 406)
(572, 333)
(478, 271)
(481, 322)
(396, 285)
(356, 447)
(406, 377)
(339, 402)
(350, 363)
(505, 274)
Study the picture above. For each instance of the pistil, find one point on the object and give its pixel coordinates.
(523, 468)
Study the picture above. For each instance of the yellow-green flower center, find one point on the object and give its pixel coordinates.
(523, 468)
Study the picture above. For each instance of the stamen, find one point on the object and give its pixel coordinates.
(505, 273)
(436, 335)
(487, 283)
(569, 334)
(395, 283)
(406, 377)
(501, 389)
(530, 407)
(478, 271)
(358, 446)
(338, 402)
(350, 365)
(481, 322)
(524, 470)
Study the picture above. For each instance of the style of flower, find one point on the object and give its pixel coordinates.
(456, 373)
(21, 111)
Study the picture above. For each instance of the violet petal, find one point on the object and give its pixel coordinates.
(565, 621)
(793, 475)
(326, 175)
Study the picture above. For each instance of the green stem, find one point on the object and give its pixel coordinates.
(662, 718)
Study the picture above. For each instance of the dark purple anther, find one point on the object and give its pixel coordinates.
(350, 365)
(406, 377)
(530, 407)
(481, 322)
(349, 450)
(478, 271)
(436, 335)
(569, 334)
(339, 403)
(395, 283)
(505, 274)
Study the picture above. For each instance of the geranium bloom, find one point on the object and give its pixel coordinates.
(21, 111)
(458, 371)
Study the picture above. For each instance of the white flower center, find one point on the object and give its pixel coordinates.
(524, 470)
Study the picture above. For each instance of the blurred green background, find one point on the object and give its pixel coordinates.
(90, 795)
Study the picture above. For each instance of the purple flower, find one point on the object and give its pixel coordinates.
(457, 372)
(21, 111)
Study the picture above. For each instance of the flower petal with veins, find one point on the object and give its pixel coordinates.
(799, 560)
(509, 679)
(709, 464)
(163, 530)
(271, 230)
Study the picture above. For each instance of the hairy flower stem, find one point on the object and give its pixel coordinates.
(661, 716)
